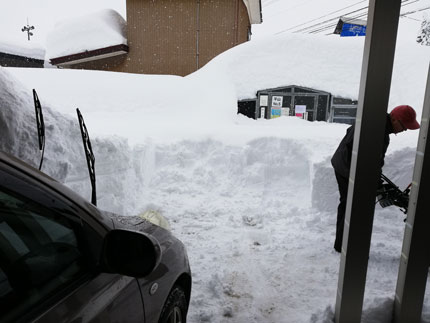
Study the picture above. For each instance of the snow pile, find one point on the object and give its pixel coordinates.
(244, 201)
(89, 32)
(253, 201)
(30, 49)
(18, 133)
(290, 59)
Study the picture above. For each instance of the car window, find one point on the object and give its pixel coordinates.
(41, 254)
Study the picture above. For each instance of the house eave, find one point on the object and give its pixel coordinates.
(254, 11)
(89, 56)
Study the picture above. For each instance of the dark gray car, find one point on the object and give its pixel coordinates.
(64, 260)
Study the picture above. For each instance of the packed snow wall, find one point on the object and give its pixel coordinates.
(398, 167)
(268, 174)
(271, 172)
(64, 158)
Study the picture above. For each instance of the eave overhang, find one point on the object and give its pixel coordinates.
(91, 55)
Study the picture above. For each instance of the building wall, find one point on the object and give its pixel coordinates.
(177, 36)
(162, 36)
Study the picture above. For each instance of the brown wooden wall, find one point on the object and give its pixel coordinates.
(177, 36)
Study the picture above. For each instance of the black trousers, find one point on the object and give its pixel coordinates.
(342, 183)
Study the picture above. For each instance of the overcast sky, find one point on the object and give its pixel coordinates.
(278, 15)
(43, 14)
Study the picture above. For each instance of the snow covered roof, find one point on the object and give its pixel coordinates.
(254, 11)
(93, 36)
(353, 21)
(30, 50)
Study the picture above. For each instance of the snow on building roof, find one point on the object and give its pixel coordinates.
(30, 50)
(86, 36)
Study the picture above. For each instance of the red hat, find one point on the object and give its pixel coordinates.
(406, 115)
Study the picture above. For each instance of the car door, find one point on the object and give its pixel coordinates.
(49, 252)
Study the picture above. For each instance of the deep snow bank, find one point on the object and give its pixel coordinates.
(296, 166)
(64, 157)
(257, 213)
(331, 64)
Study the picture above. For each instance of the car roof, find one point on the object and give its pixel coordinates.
(63, 190)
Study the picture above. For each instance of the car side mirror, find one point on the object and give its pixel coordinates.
(129, 253)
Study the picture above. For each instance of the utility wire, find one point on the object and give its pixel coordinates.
(365, 14)
(331, 26)
(326, 24)
(329, 20)
(317, 27)
(403, 15)
(319, 17)
(415, 11)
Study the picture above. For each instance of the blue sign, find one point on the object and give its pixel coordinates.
(276, 113)
(352, 30)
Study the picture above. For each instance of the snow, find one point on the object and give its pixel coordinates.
(96, 30)
(253, 201)
(29, 49)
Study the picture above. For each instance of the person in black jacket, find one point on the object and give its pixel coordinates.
(400, 119)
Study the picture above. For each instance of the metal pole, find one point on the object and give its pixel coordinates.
(381, 33)
(414, 262)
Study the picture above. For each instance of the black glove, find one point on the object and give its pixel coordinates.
(384, 195)
(384, 202)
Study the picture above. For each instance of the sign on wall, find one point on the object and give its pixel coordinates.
(262, 112)
(264, 100)
(277, 101)
(353, 30)
(276, 113)
(285, 112)
(300, 110)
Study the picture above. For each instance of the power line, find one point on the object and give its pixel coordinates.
(329, 20)
(319, 17)
(317, 27)
(415, 11)
(323, 28)
(327, 24)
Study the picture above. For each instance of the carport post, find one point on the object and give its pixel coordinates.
(414, 262)
(378, 57)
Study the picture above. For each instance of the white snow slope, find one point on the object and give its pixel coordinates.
(253, 201)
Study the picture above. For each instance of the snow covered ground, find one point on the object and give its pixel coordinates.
(253, 201)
